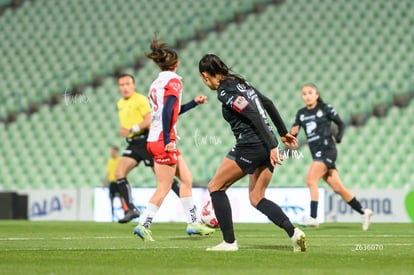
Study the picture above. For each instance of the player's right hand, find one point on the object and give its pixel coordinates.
(171, 147)
(275, 157)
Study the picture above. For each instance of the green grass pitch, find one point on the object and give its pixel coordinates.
(110, 248)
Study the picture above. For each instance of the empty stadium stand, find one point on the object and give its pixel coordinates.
(359, 54)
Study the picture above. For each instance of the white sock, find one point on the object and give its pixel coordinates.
(150, 212)
(190, 211)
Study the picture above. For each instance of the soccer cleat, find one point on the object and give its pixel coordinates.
(130, 215)
(299, 241)
(310, 222)
(367, 218)
(199, 229)
(143, 233)
(223, 246)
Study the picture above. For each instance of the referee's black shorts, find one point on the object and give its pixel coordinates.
(327, 156)
(137, 150)
(113, 189)
(249, 158)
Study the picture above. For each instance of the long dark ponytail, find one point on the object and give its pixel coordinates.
(213, 65)
(163, 56)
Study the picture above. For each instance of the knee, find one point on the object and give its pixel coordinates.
(211, 188)
(255, 199)
(214, 186)
(311, 183)
(162, 191)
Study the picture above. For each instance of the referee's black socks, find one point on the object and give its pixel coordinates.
(276, 215)
(175, 186)
(222, 209)
(125, 191)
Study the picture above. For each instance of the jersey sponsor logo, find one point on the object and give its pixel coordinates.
(310, 128)
(241, 87)
(312, 139)
(240, 104)
(319, 113)
(161, 160)
(318, 154)
(303, 117)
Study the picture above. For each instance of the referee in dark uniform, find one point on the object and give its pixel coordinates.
(315, 118)
(255, 153)
(134, 114)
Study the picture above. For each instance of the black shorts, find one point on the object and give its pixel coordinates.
(326, 156)
(249, 158)
(137, 150)
(113, 189)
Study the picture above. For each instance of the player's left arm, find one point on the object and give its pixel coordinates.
(333, 115)
(287, 138)
(248, 110)
(200, 99)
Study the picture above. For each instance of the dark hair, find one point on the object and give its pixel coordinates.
(213, 65)
(316, 88)
(163, 56)
(126, 75)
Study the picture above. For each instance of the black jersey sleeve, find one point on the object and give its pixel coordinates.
(333, 115)
(187, 106)
(297, 122)
(273, 114)
(249, 110)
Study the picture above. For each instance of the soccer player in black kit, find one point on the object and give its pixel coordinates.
(255, 153)
(316, 120)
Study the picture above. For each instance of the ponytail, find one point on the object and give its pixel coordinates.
(213, 65)
(163, 56)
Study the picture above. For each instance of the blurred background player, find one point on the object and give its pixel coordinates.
(316, 118)
(255, 153)
(134, 115)
(165, 97)
(110, 180)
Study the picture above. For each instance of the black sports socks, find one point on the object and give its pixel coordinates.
(222, 208)
(276, 215)
(314, 209)
(356, 205)
(124, 191)
(175, 186)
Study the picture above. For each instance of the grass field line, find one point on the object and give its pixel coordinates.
(386, 244)
(101, 248)
(316, 236)
(155, 247)
(340, 236)
(62, 238)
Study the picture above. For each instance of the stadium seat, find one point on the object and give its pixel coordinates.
(277, 50)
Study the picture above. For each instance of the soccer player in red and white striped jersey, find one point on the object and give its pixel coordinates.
(165, 100)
